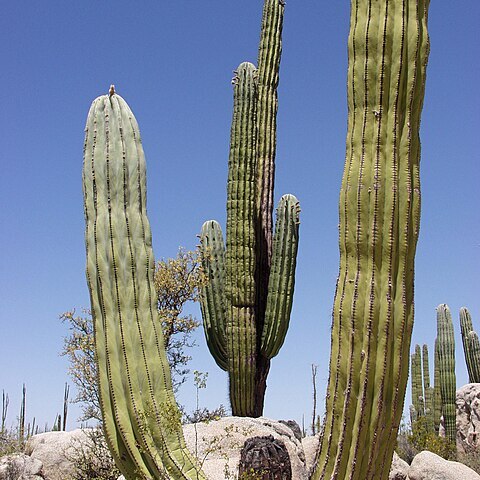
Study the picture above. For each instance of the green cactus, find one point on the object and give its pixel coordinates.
(428, 391)
(379, 222)
(140, 417)
(471, 346)
(416, 379)
(422, 392)
(446, 360)
(437, 396)
(247, 303)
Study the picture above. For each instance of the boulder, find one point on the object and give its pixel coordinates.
(56, 451)
(399, 468)
(428, 466)
(294, 427)
(468, 418)
(218, 444)
(20, 467)
(310, 444)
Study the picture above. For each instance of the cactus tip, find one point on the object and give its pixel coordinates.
(111, 91)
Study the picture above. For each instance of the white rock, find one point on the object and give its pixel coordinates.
(428, 466)
(399, 468)
(310, 447)
(468, 417)
(20, 467)
(218, 444)
(56, 451)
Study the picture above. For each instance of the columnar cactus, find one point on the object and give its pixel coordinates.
(422, 393)
(446, 359)
(471, 346)
(437, 396)
(379, 222)
(428, 391)
(246, 305)
(416, 380)
(140, 417)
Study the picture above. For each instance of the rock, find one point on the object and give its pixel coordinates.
(294, 427)
(399, 468)
(20, 467)
(310, 445)
(56, 450)
(218, 444)
(468, 418)
(428, 466)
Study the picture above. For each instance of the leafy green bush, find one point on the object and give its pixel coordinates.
(420, 438)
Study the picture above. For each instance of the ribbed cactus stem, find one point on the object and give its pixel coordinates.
(427, 390)
(416, 379)
(413, 415)
(240, 287)
(282, 276)
(437, 396)
(446, 357)
(140, 417)
(471, 346)
(269, 55)
(211, 297)
(379, 222)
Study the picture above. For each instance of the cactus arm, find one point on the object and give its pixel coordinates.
(141, 420)
(212, 294)
(282, 276)
(268, 64)
(426, 367)
(446, 356)
(474, 347)
(471, 346)
(379, 222)
(269, 56)
(240, 289)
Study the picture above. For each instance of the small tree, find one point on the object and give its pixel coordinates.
(177, 281)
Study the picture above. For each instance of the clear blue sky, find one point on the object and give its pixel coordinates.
(173, 62)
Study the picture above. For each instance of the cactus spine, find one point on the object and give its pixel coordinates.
(379, 221)
(140, 416)
(246, 305)
(446, 360)
(471, 346)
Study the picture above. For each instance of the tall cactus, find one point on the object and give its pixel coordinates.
(416, 381)
(471, 346)
(437, 396)
(379, 222)
(446, 360)
(428, 391)
(422, 392)
(140, 417)
(246, 305)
